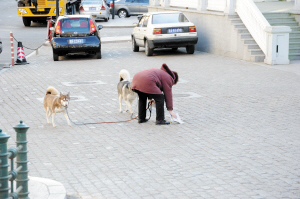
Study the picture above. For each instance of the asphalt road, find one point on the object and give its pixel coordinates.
(34, 36)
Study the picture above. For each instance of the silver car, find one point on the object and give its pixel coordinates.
(126, 8)
(98, 9)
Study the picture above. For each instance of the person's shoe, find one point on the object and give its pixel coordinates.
(143, 120)
(162, 122)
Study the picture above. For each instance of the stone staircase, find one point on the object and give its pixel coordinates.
(286, 19)
(256, 54)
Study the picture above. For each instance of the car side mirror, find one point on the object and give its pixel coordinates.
(100, 27)
(134, 24)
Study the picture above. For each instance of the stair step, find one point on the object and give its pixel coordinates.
(294, 39)
(258, 58)
(294, 56)
(294, 50)
(249, 41)
(295, 33)
(234, 21)
(253, 46)
(242, 30)
(294, 44)
(284, 24)
(239, 25)
(256, 52)
(281, 20)
(245, 35)
(270, 15)
(295, 28)
(233, 16)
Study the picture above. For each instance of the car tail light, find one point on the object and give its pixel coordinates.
(81, 8)
(156, 31)
(111, 5)
(58, 28)
(92, 26)
(102, 8)
(192, 29)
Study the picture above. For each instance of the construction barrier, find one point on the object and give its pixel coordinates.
(21, 60)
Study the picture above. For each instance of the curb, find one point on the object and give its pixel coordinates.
(55, 189)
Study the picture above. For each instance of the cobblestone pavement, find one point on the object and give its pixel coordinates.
(240, 138)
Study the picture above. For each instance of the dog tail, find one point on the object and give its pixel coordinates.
(124, 75)
(52, 91)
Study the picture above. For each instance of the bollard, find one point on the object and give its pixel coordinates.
(22, 178)
(12, 49)
(4, 189)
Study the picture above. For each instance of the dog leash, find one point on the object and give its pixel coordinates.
(148, 108)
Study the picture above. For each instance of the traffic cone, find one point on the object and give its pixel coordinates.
(20, 55)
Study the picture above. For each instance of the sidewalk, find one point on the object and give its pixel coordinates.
(42, 188)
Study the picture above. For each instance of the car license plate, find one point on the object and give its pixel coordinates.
(92, 8)
(94, 15)
(76, 41)
(174, 30)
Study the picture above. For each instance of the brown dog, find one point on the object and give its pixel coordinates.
(56, 103)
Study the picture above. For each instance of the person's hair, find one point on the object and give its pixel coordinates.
(176, 77)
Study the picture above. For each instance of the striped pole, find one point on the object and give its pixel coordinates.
(12, 49)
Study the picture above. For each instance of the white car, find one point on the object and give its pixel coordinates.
(164, 30)
(98, 9)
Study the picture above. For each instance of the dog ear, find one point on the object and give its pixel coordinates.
(60, 94)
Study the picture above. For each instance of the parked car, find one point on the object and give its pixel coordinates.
(76, 34)
(164, 30)
(97, 8)
(127, 8)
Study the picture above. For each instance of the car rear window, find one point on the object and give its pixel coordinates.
(75, 25)
(168, 18)
(87, 2)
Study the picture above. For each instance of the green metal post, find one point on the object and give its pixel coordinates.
(4, 189)
(22, 178)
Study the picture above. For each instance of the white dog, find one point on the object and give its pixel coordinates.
(125, 90)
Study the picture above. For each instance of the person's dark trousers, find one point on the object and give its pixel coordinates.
(159, 100)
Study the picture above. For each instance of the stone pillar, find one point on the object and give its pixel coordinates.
(202, 5)
(297, 7)
(230, 7)
(165, 3)
(277, 45)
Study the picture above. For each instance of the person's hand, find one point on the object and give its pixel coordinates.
(173, 114)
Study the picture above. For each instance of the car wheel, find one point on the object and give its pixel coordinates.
(26, 21)
(190, 49)
(98, 54)
(55, 56)
(174, 49)
(122, 13)
(148, 51)
(135, 48)
(106, 19)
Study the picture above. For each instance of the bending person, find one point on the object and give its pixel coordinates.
(155, 84)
